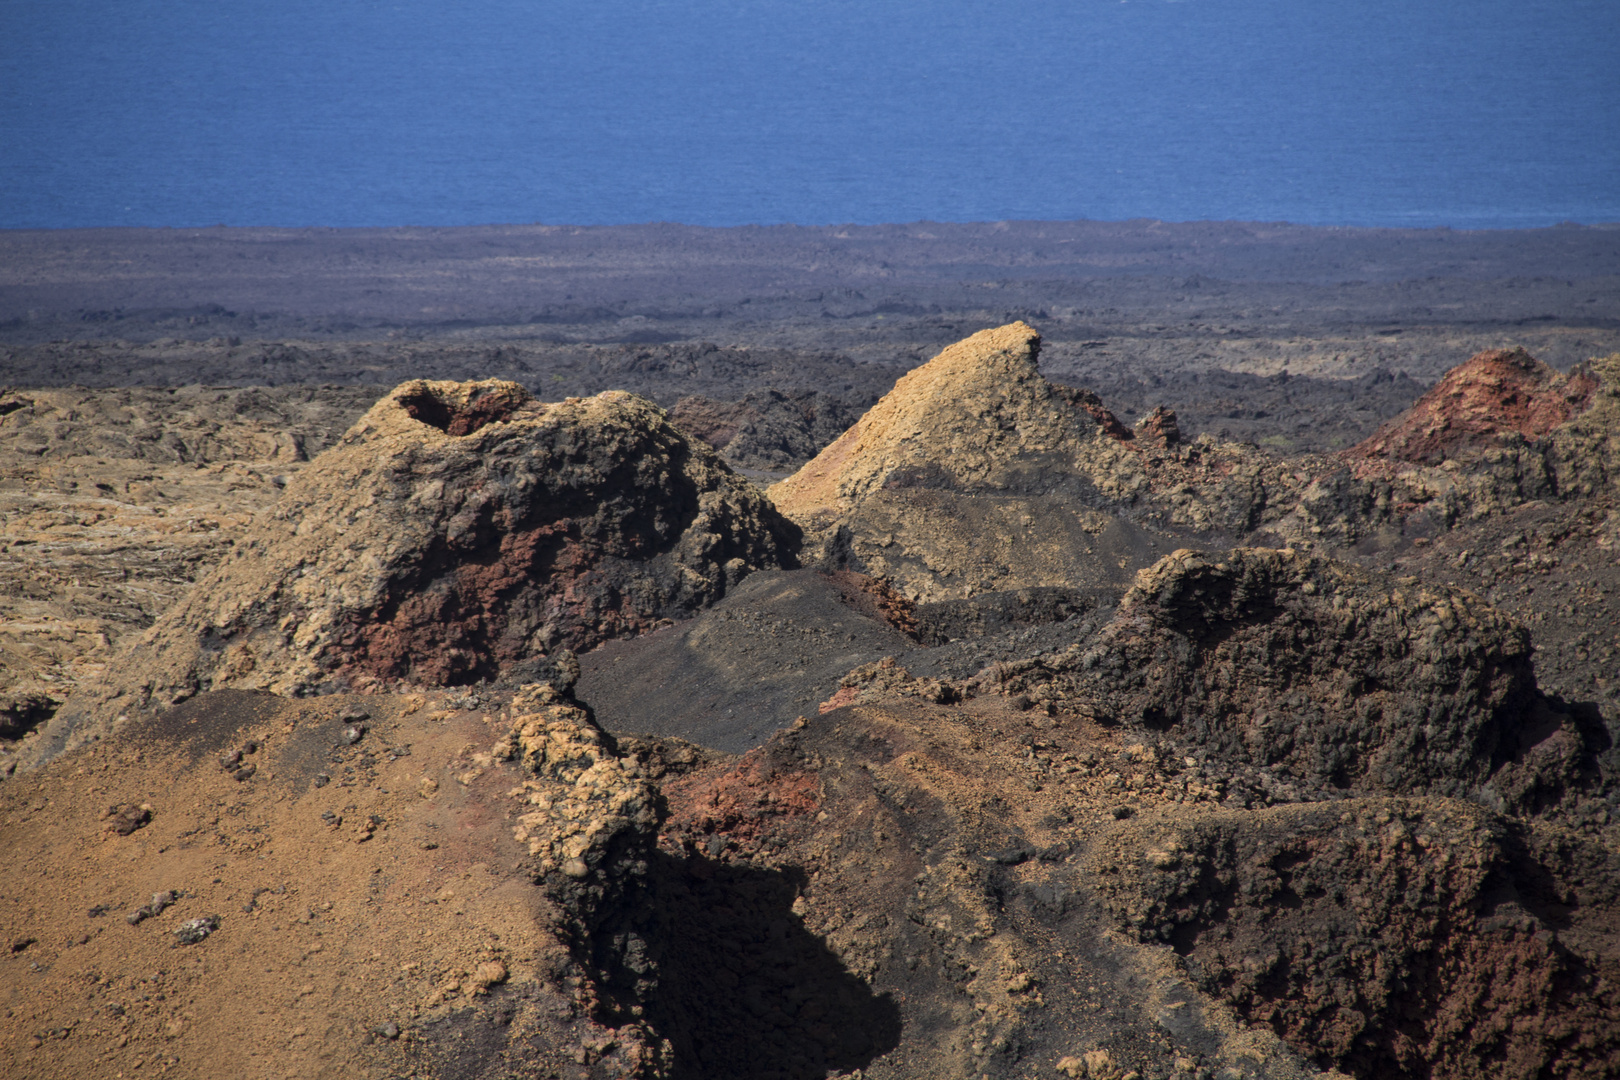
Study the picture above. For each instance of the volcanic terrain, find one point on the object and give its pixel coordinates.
(669, 709)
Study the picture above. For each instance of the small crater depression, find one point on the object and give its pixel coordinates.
(430, 406)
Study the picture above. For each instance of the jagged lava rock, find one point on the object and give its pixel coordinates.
(1496, 393)
(1340, 677)
(1436, 920)
(456, 531)
(1501, 430)
(975, 474)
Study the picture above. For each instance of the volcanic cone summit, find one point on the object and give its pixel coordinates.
(457, 532)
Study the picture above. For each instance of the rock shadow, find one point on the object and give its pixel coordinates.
(725, 970)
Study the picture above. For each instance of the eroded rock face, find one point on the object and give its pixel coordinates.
(1334, 675)
(458, 530)
(1495, 394)
(1499, 431)
(1428, 909)
(974, 473)
(979, 414)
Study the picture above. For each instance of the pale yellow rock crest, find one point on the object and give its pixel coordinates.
(959, 409)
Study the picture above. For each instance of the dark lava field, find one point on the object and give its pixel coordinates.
(1134, 651)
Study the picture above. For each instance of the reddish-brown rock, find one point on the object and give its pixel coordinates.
(1501, 392)
(457, 532)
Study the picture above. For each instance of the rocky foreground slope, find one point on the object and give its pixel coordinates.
(1078, 749)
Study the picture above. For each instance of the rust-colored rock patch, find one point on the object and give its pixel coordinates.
(1497, 393)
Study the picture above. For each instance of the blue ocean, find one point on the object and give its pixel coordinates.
(1491, 114)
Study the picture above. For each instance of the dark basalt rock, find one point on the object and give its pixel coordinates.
(1336, 676)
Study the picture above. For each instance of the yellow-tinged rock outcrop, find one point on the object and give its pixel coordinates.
(457, 532)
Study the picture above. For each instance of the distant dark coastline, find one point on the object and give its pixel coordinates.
(1139, 299)
(431, 277)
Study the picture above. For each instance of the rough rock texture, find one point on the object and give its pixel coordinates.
(374, 914)
(457, 530)
(1495, 394)
(1392, 937)
(767, 430)
(1497, 432)
(1334, 676)
(981, 416)
(975, 474)
(112, 502)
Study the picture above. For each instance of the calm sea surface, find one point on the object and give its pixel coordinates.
(1493, 113)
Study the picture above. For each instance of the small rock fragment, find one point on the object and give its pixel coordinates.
(125, 818)
(489, 973)
(354, 733)
(194, 930)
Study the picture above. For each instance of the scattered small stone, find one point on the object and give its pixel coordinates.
(354, 714)
(1010, 856)
(245, 773)
(22, 943)
(230, 759)
(354, 733)
(1121, 812)
(160, 901)
(194, 930)
(125, 818)
(321, 780)
(489, 973)
(389, 1030)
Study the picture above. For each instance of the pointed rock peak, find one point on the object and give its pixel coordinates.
(1497, 393)
(959, 420)
(1009, 351)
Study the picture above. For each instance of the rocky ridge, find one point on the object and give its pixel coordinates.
(1254, 811)
(456, 531)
